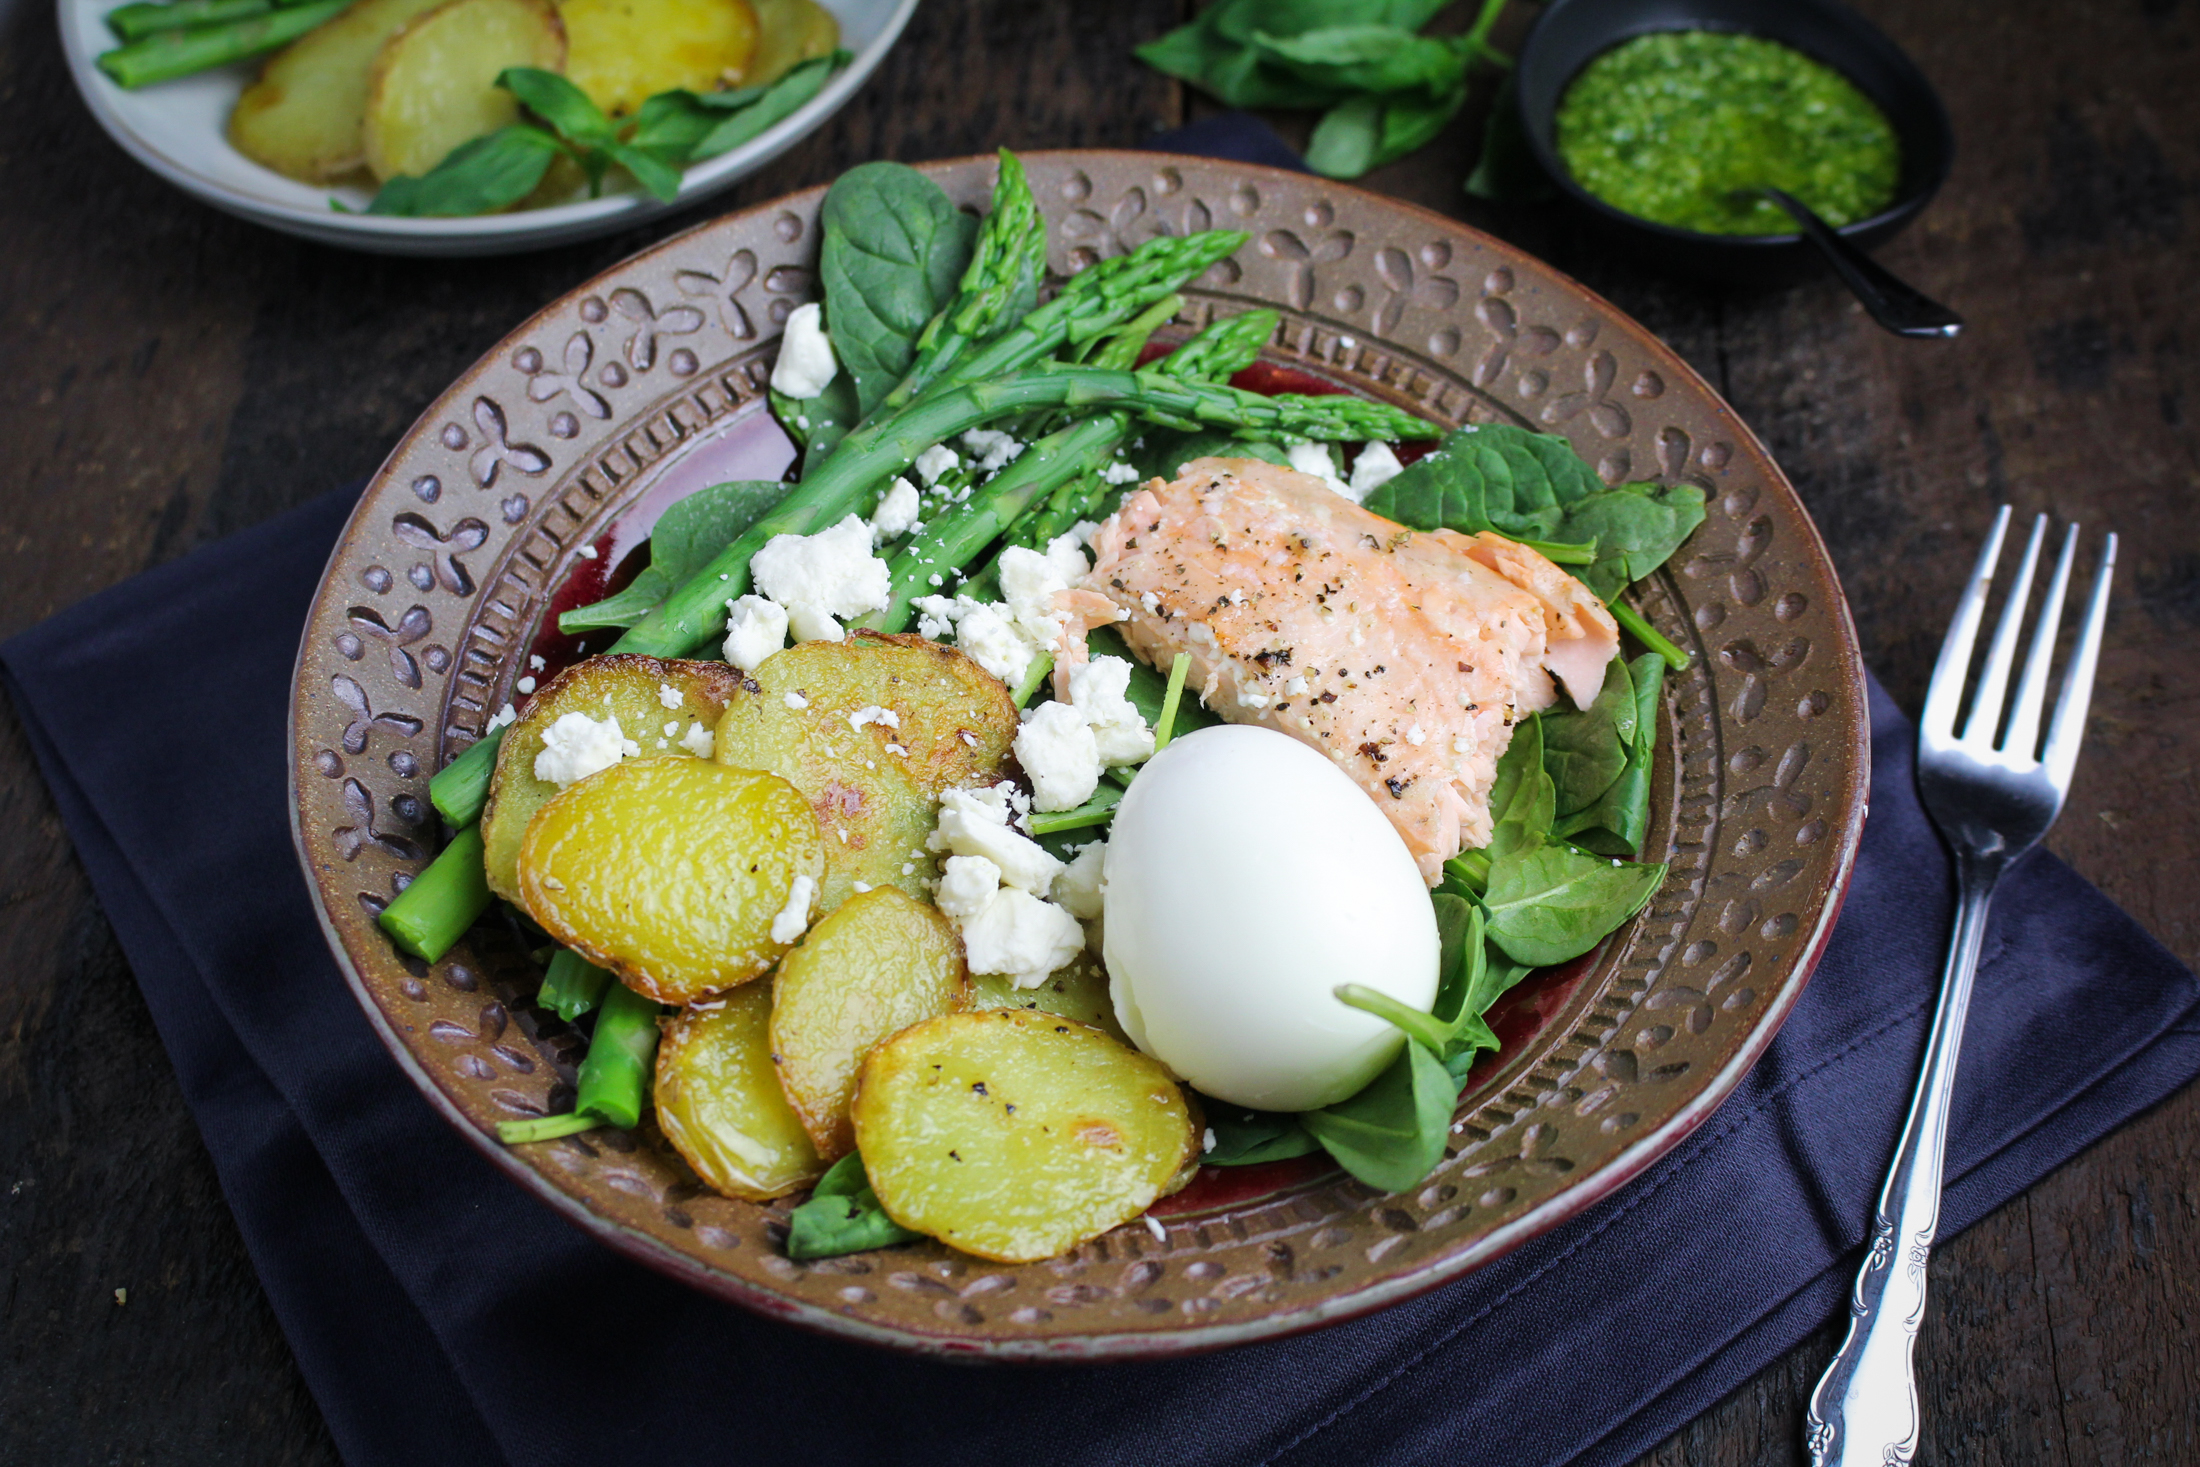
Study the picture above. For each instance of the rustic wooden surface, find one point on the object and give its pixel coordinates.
(172, 375)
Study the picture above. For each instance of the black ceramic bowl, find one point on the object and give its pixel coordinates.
(1571, 33)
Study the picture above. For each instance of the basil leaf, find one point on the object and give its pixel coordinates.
(1391, 1134)
(779, 101)
(893, 254)
(1636, 528)
(843, 1215)
(1249, 1137)
(1368, 131)
(653, 173)
(685, 539)
(1242, 20)
(1585, 751)
(1523, 801)
(1619, 819)
(1553, 903)
(478, 177)
(561, 104)
(1228, 68)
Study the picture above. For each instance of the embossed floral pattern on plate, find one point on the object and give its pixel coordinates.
(420, 631)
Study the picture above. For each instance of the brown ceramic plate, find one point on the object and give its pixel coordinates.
(649, 381)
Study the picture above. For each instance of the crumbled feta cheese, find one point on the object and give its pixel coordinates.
(1415, 736)
(896, 514)
(935, 463)
(1078, 889)
(1098, 689)
(794, 918)
(699, 740)
(982, 631)
(1315, 459)
(975, 823)
(1021, 936)
(577, 746)
(1084, 530)
(822, 577)
(1376, 466)
(502, 717)
(860, 886)
(662, 744)
(806, 363)
(1150, 601)
(526, 685)
(1207, 1142)
(1056, 748)
(536, 664)
(796, 701)
(1251, 698)
(1029, 582)
(755, 629)
(586, 552)
(991, 450)
(1296, 687)
(1067, 558)
(668, 696)
(1119, 472)
(672, 728)
(874, 714)
(967, 883)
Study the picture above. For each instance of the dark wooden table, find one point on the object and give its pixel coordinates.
(168, 375)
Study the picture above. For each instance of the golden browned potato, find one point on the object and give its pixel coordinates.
(882, 961)
(873, 785)
(670, 872)
(719, 1104)
(306, 115)
(625, 686)
(434, 83)
(624, 52)
(1078, 991)
(1016, 1135)
(789, 32)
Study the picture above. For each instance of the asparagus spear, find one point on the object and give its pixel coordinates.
(1000, 284)
(135, 22)
(165, 55)
(442, 902)
(870, 456)
(615, 1078)
(461, 787)
(573, 985)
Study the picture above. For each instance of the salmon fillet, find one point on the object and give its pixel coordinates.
(1405, 656)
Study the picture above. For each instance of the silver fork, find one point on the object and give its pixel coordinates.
(1992, 801)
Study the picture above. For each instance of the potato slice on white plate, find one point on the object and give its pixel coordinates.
(789, 32)
(306, 115)
(434, 84)
(626, 51)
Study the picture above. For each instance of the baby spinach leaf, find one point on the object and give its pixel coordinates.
(1553, 903)
(1585, 751)
(1249, 1137)
(1368, 131)
(1391, 1134)
(842, 1216)
(478, 177)
(1523, 801)
(684, 540)
(1369, 58)
(893, 253)
(1620, 817)
(1636, 527)
(1488, 476)
(817, 424)
(1450, 1029)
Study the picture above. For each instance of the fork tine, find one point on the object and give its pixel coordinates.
(1946, 690)
(2024, 721)
(2068, 729)
(1994, 678)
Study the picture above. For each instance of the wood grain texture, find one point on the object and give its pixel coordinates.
(174, 375)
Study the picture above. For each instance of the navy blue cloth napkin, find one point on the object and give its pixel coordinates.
(440, 1315)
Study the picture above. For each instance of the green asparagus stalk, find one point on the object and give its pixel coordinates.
(872, 455)
(1228, 346)
(573, 985)
(461, 787)
(1164, 725)
(135, 22)
(1001, 282)
(615, 1078)
(442, 902)
(165, 55)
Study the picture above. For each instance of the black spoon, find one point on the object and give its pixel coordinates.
(1893, 304)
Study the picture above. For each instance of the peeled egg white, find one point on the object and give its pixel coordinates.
(1247, 877)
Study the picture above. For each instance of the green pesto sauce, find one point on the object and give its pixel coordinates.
(1681, 128)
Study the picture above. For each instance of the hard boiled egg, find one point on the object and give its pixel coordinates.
(1246, 878)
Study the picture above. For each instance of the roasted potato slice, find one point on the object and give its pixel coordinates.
(1078, 991)
(789, 32)
(952, 723)
(306, 115)
(623, 52)
(882, 961)
(719, 1103)
(638, 692)
(1015, 1135)
(434, 83)
(669, 872)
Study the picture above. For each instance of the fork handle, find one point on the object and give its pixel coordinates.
(1864, 1412)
